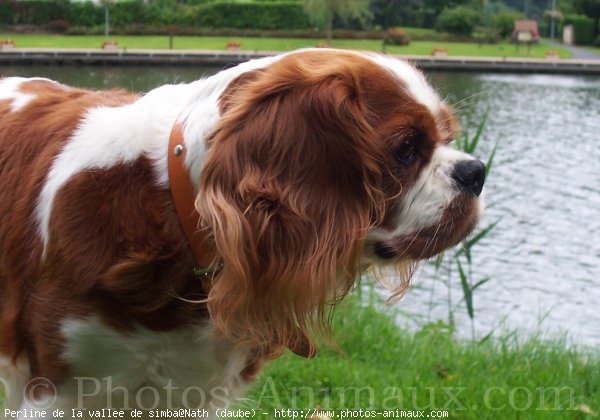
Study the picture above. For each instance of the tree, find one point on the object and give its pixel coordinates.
(504, 22)
(590, 8)
(433, 8)
(459, 20)
(391, 13)
(322, 12)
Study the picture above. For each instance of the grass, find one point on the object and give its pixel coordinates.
(278, 44)
(383, 367)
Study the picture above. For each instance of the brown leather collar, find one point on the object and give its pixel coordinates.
(183, 193)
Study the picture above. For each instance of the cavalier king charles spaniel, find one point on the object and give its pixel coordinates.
(156, 250)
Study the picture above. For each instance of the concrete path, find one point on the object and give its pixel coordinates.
(91, 56)
(578, 52)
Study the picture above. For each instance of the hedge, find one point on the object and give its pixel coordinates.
(504, 22)
(259, 15)
(459, 20)
(583, 27)
(263, 15)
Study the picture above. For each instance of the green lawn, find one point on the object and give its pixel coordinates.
(277, 44)
(380, 366)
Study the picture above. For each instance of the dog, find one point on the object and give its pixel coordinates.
(176, 241)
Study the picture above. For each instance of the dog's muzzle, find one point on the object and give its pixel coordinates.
(469, 175)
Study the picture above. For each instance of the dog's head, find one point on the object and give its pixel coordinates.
(322, 163)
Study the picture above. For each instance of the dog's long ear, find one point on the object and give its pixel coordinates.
(289, 190)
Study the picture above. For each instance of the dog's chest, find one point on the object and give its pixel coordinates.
(186, 368)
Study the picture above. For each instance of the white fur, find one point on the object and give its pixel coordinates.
(9, 90)
(414, 80)
(146, 370)
(203, 113)
(186, 368)
(13, 377)
(424, 203)
(109, 136)
(40, 409)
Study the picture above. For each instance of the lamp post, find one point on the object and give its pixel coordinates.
(106, 3)
(553, 20)
(106, 20)
(486, 15)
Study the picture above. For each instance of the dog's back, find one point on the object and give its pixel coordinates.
(90, 244)
(91, 250)
(37, 117)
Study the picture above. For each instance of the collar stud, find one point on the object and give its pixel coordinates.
(178, 150)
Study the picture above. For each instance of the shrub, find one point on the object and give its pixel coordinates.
(39, 12)
(396, 37)
(58, 25)
(126, 12)
(504, 22)
(458, 20)
(265, 15)
(7, 13)
(221, 14)
(544, 28)
(583, 27)
(161, 13)
(85, 14)
(485, 35)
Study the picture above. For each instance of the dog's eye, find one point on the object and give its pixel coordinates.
(406, 153)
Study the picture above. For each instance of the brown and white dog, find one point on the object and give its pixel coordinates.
(304, 169)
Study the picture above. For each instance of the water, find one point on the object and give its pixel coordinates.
(543, 258)
(133, 78)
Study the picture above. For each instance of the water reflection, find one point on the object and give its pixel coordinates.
(544, 256)
(134, 78)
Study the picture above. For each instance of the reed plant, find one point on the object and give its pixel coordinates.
(457, 264)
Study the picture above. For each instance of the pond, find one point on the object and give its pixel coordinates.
(543, 258)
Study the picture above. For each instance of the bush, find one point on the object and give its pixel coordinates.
(583, 27)
(485, 35)
(164, 13)
(265, 15)
(458, 20)
(187, 30)
(396, 37)
(32, 12)
(222, 14)
(7, 13)
(126, 12)
(504, 22)
(58, 25)
(85, 14)
(544, 28)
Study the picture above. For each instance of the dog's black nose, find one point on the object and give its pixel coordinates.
(470, 175)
